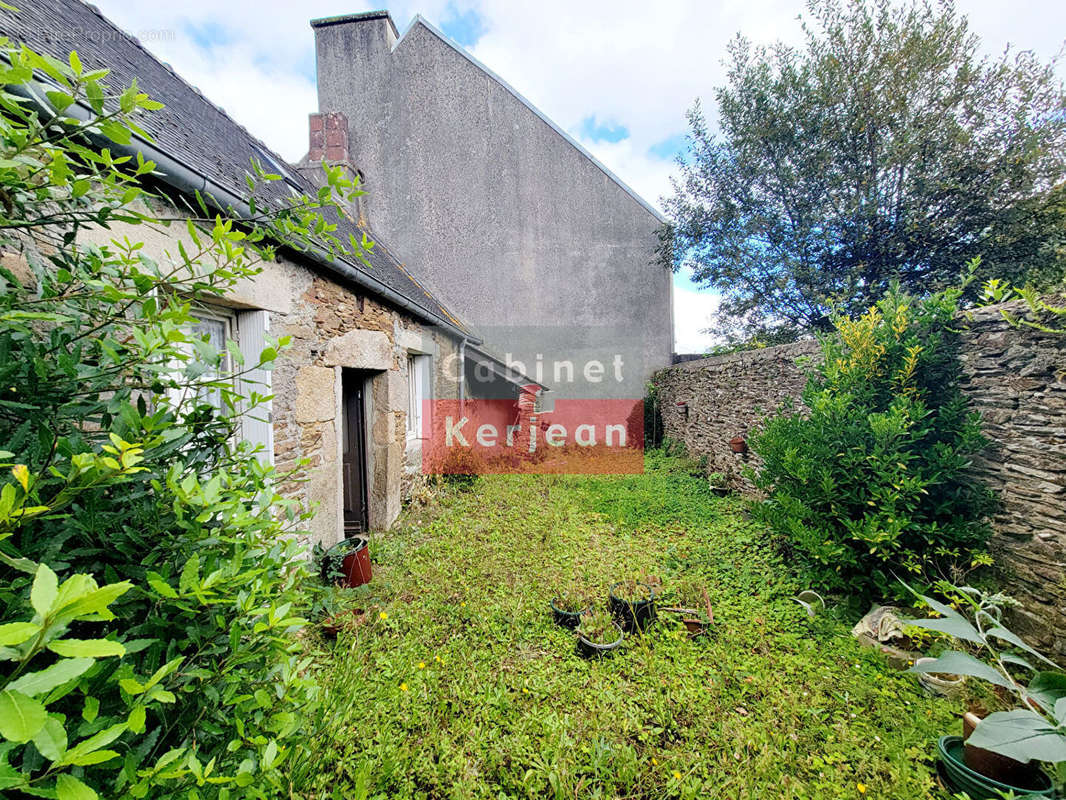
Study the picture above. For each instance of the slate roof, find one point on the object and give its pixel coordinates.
(190, 128)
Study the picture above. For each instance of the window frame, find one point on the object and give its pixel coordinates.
(230, 333)
(416, 394)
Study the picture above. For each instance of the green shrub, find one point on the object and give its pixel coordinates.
(180, 675)
(872, 478)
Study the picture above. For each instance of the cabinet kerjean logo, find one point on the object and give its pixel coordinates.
(501, 435)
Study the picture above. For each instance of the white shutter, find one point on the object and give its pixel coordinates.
(256, 424)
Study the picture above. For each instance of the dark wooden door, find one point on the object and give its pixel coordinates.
(354, 454)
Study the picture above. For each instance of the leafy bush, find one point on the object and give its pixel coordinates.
(180, 676)
(874, 477)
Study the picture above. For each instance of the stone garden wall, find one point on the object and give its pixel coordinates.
(1016, 378)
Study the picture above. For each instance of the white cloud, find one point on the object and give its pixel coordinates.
(693, 313)
(622, 61)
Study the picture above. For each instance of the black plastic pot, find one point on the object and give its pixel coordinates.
(567, 619)
(588, 649)
(632, 617)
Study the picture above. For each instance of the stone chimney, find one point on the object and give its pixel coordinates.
(328, 141)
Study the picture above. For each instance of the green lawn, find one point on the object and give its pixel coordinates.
(458, 684)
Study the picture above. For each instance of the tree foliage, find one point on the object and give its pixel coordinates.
(874, 479)
(150, 584)
(885, 148)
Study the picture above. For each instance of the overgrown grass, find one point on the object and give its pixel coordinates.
(458, 684)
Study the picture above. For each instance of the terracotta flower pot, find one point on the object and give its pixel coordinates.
(356, 564)
(1003, 769)
(738, 444)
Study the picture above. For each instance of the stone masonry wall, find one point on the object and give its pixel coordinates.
(334, 327)
(724, 396)
(1016, 378)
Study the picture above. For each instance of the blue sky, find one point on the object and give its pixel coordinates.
(618, 75)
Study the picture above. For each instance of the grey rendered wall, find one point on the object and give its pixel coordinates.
(502, 217)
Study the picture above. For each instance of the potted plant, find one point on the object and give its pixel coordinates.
(345, 620)
(598, 634)
(333, 608)
(347, 563)
(1032, 733)
(568, 607)
(718, 483)
(633, 604)
(738, 444)
(944, 685)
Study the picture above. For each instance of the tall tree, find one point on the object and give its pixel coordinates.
(886, 147)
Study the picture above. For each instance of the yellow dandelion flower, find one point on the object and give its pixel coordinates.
(421, 664)
(437, 659)
(655, 762)
(403, 687)
(462, 604)
(677, 775)
(861, 787)
(383, 615)
(525, 690)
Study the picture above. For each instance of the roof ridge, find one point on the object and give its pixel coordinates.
(418, 18)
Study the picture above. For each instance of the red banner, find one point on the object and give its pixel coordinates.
(482, 437)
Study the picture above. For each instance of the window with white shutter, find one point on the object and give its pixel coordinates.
(256, 424)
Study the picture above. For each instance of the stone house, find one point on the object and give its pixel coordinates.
(370, 344)
(509, 220)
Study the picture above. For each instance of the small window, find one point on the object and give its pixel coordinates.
(416, 394)
(210, 335)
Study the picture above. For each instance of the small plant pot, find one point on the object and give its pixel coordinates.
(939, 684)
(356, 565)
(738, 444)
(633, 617)
(721, 491)
(962, 778)
(347, 563)
(588, 649)
(564, 618)
(336, 623)
(696, 626)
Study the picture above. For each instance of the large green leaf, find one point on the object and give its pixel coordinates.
(70, 788)
(20, 716)
(46, 680)
(51, 740)
(84, 751)
(1020, 734)
(86, 648)
(956, 663)
(17, 632)
(1005, 635)
(953, 626)
(1047, 688)
(95, 602)
(44, 591)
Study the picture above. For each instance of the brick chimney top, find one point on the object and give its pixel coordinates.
(329, 138)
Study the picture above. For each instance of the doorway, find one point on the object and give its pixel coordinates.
(353, 455)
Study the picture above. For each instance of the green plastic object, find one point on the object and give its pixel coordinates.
(963, 779)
